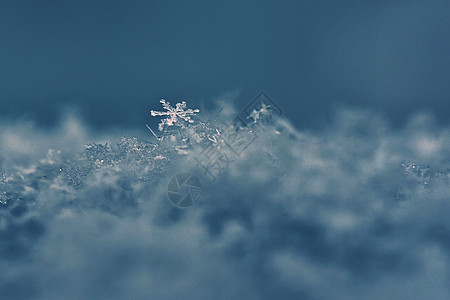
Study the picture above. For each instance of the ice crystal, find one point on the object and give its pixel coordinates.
(134, 159)
(3, 189)
(257, 114)
(129, 161)
(178, 114)
(182, 130)
(423, 174)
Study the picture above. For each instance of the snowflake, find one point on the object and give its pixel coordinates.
(174, 115)
(263, 111)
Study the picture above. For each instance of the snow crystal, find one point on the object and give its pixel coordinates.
(179, 114)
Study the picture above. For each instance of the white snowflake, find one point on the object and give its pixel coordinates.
(174, 114)
(257, 114)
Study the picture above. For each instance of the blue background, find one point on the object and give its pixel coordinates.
(114, 59)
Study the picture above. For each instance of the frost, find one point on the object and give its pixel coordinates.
(129, 161)
(131, 158)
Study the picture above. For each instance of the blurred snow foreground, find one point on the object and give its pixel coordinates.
(181, 132)
(356, 203)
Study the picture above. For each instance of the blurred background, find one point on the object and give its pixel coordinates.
(113, 60)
